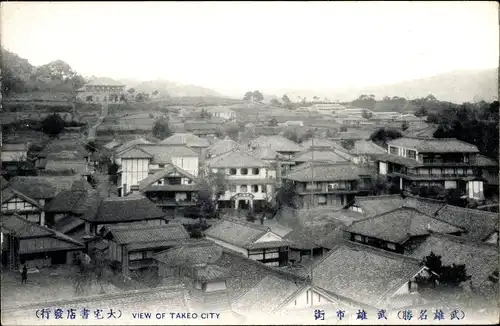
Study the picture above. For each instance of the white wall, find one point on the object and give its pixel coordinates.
(382, 168)
(13, 156)
(450, 184)
(475, 189)
(189, 164)
(308, 298)
(242, 251)
(269, 236)
(133, 171)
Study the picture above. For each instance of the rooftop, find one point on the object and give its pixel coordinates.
(163, 154)
(236, 159)
(320, 154)
(277, 143)
(45, 187)
(165, 172)
(362, 274)
(123, 209)
(326, 171)
(480, 259)
(435, 145)
(131, 143)
(366, 147)
(399, 225)
(223, 146)
(104, 81)
(187, 139)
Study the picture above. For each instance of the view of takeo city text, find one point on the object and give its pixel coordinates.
(249, 163)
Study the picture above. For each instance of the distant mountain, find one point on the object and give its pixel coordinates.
(167, 88)
(456, 87)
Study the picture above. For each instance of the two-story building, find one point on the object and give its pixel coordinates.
(136, 163)
(279, 144)
(13, 155)
(326, 183)
(365, 152)
(222, 112)
(445, 162)
(399, 230)
(251, 240)
(101, 90)
(251, 180)
(134, 247)
(172, 189)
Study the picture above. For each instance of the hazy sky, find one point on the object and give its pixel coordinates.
(239, 46)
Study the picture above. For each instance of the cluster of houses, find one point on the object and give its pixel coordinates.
(242, 268)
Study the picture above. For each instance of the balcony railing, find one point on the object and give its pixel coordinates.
(173, 202)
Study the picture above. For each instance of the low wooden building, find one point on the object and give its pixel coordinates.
(134, 246)
(26, 242)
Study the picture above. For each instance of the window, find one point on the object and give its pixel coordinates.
(393, 150)
(270, 255)
(332, 186)
(263, 189)
(411, 154)
(391, 246)
(244, 171)
(255, 188)
(161, 165)
(189, 181)
(255, 171)
(322, 200)
(358, 238)
(243, 188)
(232, 171)
(135, 256)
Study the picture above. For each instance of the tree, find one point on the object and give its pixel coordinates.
(161, 128)
(232, 131)
(123, 98)
(113, 172)
(421, 112)
(131, 91)
(286, 195)
(273, 122)
(286, 101)
(348, 144)
(275, 102)
(91, 146)
(248, 96)
(53, 125)
(89, 98)
(383, 135)
(155, 93)
(367, 114)
(93, 181)
(405, 125)
(212, 188)
(442, 276)
(257, 96)
(316, 98)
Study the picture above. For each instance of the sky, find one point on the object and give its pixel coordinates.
(234, 46)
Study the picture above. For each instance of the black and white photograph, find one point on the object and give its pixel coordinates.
(249, 162)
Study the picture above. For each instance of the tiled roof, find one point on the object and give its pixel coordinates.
(322, 155)
(163, 154)
(193, 252)
(210, 273)
(201, 126)
(123, 209)
(112, 144)
(265, 296)
(77, 167)
(435, 145)
(187, 139)
(170, 168)
(480, 259)
(266, 153)
(424, 132)
(126, 235)
(66, 155)
(303, 238)
(67, 201)
(223, 146)
(277, 143)
(375, 205)
(134, 153)
(367, 147)
(24, 229)
(236, 159)
(399, 225)
(332, 239)
(68, 224)
(239, 233)
(478, 224)
(482, 160)
(131, 143)
(60, 145)
(9, 193)
(326, 171)
(427, 206)
(43, 187)
(104, 81)
(363, 274)
(245, 273)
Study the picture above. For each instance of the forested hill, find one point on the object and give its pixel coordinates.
(20, 76)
